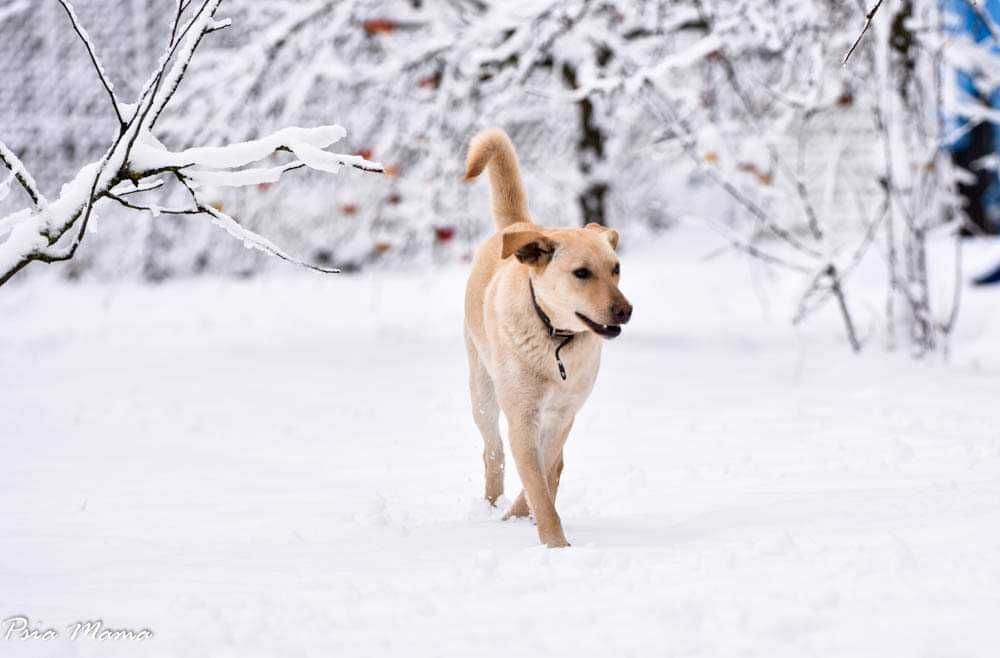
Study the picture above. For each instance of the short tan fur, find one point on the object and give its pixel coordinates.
(512, 365)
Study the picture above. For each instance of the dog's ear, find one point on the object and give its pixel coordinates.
(531, 247)
(610, 234)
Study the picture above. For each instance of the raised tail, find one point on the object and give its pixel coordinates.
(493, 147)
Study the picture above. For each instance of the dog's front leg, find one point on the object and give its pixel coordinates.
(553, 451)
(524, 443)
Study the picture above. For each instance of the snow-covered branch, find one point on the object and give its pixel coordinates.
(52, 231)
(23, 176)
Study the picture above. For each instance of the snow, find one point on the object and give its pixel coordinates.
(5, 186)
(13, 8)
(232, 155)
(306, 143)
(243, 177)
(23, 238)
(19, 171)
(287, 466)
(321, 160)
(221, 25)
(696, 52)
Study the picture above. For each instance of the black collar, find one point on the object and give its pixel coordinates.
(565, 334)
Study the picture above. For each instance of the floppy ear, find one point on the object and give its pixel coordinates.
(531, 247)
(610, 234)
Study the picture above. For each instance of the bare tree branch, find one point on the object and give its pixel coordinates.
(154, 210)
(250, 239)
(838, 292)
(868, 23)
(183, 69)
(89, 45)
(136, 189)
(686, 140)
(758, 253)
(153, 84)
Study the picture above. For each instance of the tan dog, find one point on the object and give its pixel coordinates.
(537, 305)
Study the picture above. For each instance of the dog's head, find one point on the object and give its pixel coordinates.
(575, 274)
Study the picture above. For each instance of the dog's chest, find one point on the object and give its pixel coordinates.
(581, 358)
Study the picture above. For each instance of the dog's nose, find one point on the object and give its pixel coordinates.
(621, 312)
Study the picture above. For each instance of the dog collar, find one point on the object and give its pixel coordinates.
(565, 334)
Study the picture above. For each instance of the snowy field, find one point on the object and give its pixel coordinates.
(287, 466)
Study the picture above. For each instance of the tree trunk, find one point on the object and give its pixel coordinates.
(590, 155)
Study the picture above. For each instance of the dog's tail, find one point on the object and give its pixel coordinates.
(492, 147)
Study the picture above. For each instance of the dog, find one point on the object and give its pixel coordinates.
(538, 304)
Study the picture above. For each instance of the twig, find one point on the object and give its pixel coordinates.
(686, 140)
(219, 25)
(155, 210)
(88, 209)
(23, 177)
(152, 87)
(85, 38)
(212, 27)
(181, 6)
(868, 23)
(375, 168)
(838, 292)
(732, 77)
(231, 226)
(805, 307)
(756, 252)
(152, 185)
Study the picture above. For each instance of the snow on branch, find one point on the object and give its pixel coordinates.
(52, 231)
(306, 143)
(21, 174)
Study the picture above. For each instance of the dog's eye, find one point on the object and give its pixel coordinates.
(617, 270)
(581, 273)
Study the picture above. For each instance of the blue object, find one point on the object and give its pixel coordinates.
(989, 279)
(967, 19)
(970, 22)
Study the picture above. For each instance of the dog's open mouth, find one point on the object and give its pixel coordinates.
(605, 330)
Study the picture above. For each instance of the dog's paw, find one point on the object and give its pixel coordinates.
(519, 510)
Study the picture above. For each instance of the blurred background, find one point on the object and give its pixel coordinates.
(742, 115)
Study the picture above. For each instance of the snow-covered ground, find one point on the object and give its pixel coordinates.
(288, 467)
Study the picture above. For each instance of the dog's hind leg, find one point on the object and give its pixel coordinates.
(485, 413)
